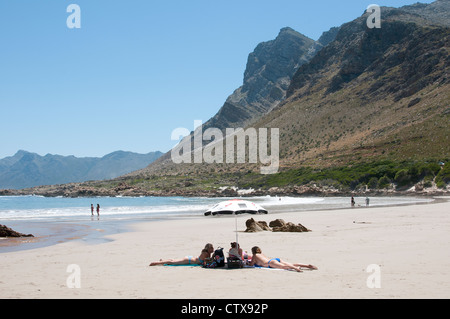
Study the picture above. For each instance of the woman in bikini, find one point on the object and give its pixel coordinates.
(259, 259)
(188, 260)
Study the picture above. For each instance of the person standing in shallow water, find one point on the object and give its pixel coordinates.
(92, 209)
(98, 210)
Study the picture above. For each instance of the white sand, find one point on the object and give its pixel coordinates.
(411, 244)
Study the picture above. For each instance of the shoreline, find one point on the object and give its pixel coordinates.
(95, 230)
(53, 232)
(50, 233)
(408, 243)
(81, 191)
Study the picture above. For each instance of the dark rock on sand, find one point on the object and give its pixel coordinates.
(277, 225)
(254, 226)
(8, 232)
(280, 225)
(291, 228)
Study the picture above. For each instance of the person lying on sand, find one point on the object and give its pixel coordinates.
(259, 259)
(188, 260)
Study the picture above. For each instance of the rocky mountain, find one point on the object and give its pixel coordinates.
(365, 93)
(267, 76)
(434, 13)
(26, 169)
(372, 93)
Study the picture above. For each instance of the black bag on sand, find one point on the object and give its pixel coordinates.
(217, 260)
(234, 263)
(219, 257)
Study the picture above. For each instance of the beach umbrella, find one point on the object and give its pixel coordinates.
(236, 207)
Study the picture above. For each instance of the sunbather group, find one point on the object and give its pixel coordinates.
(258, 259)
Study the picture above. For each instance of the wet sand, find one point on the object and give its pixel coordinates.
(49, 233)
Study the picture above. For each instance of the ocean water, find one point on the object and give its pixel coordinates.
(54, 220)
(38, 208)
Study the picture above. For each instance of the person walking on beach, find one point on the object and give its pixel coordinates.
(367, 201)
(188, 260)
(98, 210)
(353, 202)
(259, 259)
(92, 209)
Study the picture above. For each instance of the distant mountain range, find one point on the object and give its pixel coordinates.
(26, 169)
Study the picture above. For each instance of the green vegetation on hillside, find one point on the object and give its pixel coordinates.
(376, 175)
(443, 177)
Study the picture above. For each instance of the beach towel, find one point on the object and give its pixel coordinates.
(267, 268)
(187, 265)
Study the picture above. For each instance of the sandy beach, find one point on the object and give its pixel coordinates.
(409, 246)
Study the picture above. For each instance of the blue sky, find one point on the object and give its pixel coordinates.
(135, 70)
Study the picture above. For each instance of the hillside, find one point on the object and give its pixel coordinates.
(267, 77)
(370, 94)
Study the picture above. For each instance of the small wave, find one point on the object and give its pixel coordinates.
(33, 208)
(280, 201)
